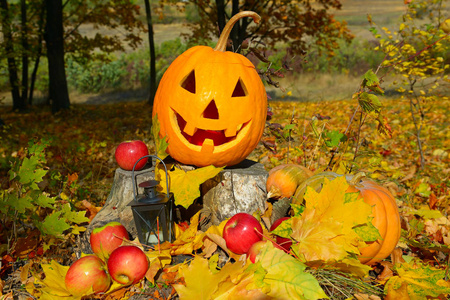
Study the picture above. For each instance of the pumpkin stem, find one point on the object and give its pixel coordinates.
(223, 39)
(357, 178)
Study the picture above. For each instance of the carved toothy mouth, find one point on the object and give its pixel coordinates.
(208, 139)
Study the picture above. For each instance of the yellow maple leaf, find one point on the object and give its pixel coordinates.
(325, 229)
(237, 285)
(200, 281)
(421, 280)
(185, 185)
(203, 280)
(189, 240)
(53, 285)
(157, 260)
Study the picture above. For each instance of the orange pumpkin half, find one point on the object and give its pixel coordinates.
(211, 104)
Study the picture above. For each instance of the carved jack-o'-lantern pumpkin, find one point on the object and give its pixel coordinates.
(211, 104)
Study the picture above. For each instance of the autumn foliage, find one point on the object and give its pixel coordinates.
(56, 171)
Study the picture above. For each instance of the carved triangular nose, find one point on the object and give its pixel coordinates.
(211, 111)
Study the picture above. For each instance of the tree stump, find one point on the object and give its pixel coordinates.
(241, 188)
(116, 206)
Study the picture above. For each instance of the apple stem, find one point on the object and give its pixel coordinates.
(275, 243)
(269, 239)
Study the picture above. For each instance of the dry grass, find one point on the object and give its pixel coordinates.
(321, 87)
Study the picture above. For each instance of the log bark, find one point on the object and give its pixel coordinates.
(115, 208)
(241, 188)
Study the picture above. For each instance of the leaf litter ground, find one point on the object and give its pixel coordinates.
(83, 141)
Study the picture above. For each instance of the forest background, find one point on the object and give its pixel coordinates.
(317, 115)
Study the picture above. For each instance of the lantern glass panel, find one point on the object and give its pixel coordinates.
(153, 221)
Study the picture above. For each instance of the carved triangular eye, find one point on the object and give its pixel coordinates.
(239, 90)
(188, 83)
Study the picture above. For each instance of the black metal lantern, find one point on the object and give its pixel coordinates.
(152, 211)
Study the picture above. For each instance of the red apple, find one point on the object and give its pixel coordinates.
(241, 232)
(104, 240)
(255, 249)
(128, 153)
(127, 265)
(87, 274)
(281, 241)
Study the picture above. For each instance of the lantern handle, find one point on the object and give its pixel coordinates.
(134, 180)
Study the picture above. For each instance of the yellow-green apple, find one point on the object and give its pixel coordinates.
(128, 153)
(127, 265)
(285, 243)
(104, 240)
(87, 275)
(241, 231)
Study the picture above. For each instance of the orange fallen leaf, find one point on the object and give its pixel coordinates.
(91, 209)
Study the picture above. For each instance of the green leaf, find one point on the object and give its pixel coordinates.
(423, 189)
(427, 213)
(289, 126)
(19, 204)
(370, 78)
(72, 216)
(369, 102)
(286, 276)
(351, 197)
(29, 174)
(371, 81)
(160, 143)
(367, 232)
(333, 138)
(37, 149)
(53, 224)
(298, 209)
(284, 229)
(42, 199)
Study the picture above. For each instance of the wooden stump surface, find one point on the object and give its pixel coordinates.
(241, 188)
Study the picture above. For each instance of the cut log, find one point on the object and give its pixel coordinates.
(115, 208)
(241, 188)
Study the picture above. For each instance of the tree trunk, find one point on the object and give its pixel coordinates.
(236, 28)
(38, 54)
(58, 90)
(25, 51)
(9, 49)
(220, 14)
(148, 12)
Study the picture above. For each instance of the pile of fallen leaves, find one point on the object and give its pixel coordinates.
(82, 143)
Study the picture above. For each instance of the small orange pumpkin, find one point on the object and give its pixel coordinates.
(284, 179)
(386, 217)
(211, 104)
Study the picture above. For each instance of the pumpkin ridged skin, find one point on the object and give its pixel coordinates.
(386, 217)
(217, 74)
(382, 248)
(284, 179)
